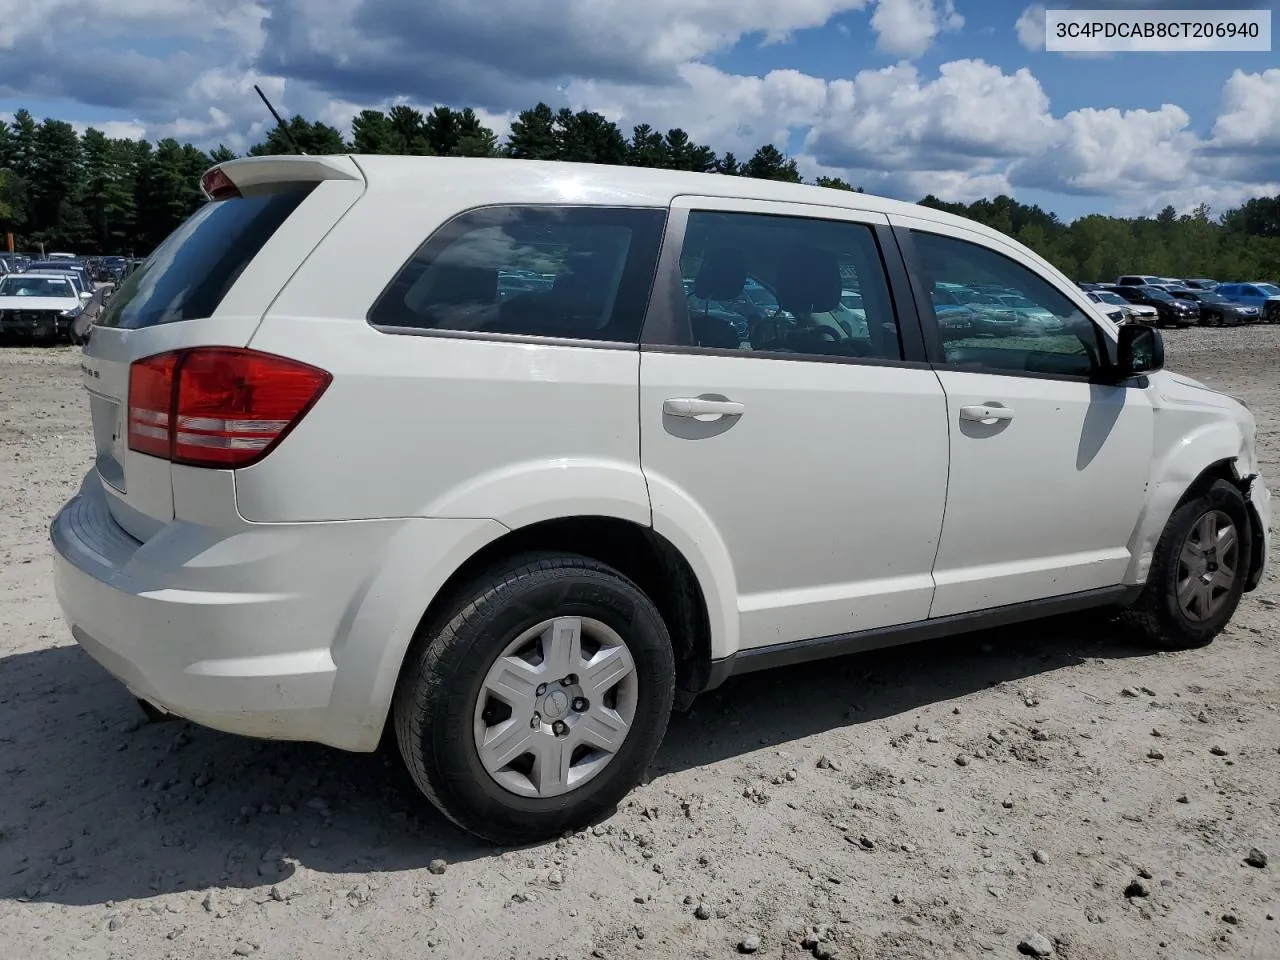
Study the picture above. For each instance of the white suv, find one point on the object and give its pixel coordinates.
(440, 446)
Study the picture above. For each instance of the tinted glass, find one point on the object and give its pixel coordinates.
(193, 269)
(571, 272)
(1051, 336)
(1155, 293)
(1269, 290)
(788, 285)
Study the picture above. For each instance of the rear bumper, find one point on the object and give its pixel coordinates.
(280, 631)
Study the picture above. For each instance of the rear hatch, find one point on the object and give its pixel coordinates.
(207, 284)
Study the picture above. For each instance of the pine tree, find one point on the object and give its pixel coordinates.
(533, 135)
(769, 163)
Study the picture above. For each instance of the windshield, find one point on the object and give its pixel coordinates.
(1155, 293)
(1112, 298)
(1211, 298)
(20, 286)
(1270, 289)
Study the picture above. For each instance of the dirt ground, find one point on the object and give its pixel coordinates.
(951, 800)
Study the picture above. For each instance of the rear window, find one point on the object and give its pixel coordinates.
(581, 273)
(191, 271)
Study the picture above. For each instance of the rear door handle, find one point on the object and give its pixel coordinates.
(698, 407)
(983, 412)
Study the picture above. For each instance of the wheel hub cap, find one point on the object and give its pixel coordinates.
(556, 707)
(555, 704)
(1207, 566)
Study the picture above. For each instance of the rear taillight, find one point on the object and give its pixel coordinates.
(218, 406)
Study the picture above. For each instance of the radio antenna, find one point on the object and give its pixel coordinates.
(283, 127)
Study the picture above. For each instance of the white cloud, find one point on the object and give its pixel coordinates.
(734, 112)
(1219, 197)
(1250, 117)
(891, 119)
(115, 129)
(132, 18)
(1109, 152)
(1030, 27)
(907, 28)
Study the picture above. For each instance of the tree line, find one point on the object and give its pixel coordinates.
(91, 193)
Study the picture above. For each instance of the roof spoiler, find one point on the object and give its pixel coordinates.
(256, 171)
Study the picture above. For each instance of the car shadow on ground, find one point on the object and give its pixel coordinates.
(97, 805)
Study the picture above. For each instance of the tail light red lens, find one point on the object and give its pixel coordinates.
(218, 186)
(222, 407)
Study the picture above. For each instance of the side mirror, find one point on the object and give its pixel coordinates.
(1140, 350)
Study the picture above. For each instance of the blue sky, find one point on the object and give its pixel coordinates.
(903, 97)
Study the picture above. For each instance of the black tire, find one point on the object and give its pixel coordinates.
(1157, 614)
(444, 674)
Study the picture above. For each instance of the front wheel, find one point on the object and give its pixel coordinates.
(537, 702)
(1198, 571)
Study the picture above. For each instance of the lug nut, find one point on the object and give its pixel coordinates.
(560, 728)
(570, 680)
(580, 704)
(542, 688)
(536, 721)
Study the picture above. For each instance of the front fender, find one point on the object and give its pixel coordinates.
(1215, 441)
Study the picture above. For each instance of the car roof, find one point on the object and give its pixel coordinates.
(604, 184)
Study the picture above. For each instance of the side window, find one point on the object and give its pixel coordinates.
(780, 284)
(1015, 319)
(546, 271)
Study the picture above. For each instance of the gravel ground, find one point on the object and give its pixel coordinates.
(1046, 787)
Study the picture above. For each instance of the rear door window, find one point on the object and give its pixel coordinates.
(580, 273)
(193, 269)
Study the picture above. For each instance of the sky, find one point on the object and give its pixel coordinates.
(957, 98)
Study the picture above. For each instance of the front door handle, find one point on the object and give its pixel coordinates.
(698, 407)
(985, 413)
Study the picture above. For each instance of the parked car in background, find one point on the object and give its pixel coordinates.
(68, 266)
(1200, 283)
(955, 319)
(1033, 318)
(40, 305)
(1216, 310)
(578, 514)
(1264, 296)
(1133, 312)
(1170, 311)
(1115, 308)
(15, 262)
(1137, 280)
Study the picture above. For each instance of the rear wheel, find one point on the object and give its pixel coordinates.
(1198, 571)
(537, 702)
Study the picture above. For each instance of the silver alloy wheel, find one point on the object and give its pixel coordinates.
(555, 707)
(1207, 566)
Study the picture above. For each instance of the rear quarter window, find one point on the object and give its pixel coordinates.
(580, 273)
(191, 272)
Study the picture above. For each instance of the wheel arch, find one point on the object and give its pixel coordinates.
(646, 557)
(1190, 469)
